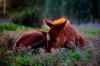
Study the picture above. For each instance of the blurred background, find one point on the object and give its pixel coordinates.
(32, 12)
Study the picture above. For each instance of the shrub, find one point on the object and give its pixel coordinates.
(26, 17)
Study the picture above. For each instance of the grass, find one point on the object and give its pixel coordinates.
(11, 27)
(89, 31)
(14, 27)
(93, 32)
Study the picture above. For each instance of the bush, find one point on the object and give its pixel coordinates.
(26, 17)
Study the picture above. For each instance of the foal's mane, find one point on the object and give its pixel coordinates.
(60, 21)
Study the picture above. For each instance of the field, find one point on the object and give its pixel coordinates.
(9, 33)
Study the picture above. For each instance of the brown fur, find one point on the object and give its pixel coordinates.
(35, 39)
(62, 32)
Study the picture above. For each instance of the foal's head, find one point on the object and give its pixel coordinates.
(55, 35)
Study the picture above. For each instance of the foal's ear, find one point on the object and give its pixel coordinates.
(63, 24)
(48, 22)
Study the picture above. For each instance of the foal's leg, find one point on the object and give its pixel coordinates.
(69, 45)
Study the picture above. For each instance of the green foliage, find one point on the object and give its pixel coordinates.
(26, 59)
(11, 27)
(44, 29)
(27, 17)
(14, 27)
(73, 55)
(88, 54)
(28, 13)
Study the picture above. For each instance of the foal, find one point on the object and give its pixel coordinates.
(62, 34)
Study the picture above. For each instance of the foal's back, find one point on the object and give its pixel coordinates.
(34, 39)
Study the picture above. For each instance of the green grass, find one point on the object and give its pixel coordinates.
(93, 32)
(44, 29)
(89, 31)
(14, 27)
